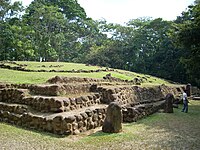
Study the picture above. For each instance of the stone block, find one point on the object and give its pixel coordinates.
(113, 121)
(89, 112)
(168, 107)
(70, 119)
(84, 115)
(79, 100)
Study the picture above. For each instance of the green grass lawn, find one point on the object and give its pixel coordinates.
(19, 77)
(55, 66)
(13, 76)
(158, 131)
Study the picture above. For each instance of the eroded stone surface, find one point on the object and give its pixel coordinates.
(168, 108)
(113, 121)
(49, 107)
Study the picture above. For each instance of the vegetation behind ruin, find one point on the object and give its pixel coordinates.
(49, 30)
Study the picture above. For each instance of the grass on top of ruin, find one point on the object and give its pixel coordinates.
(177, 130)
(20, 77)
(33, 65)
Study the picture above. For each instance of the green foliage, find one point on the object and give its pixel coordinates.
(144, 45)
(71, 8)
(9, 15)
(188, 38)
(59, 30)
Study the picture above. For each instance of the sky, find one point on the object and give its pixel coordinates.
(121, 11)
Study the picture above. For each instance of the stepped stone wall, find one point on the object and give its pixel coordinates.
(107, 78)
(18, 109)
(135, 94)
(58, 79)
(46, 108)
(59, 89)
(59, 124)
(135, 112)
(48, 104)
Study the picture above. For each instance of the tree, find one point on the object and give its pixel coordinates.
(188, 37)
(58, 26)
(48, 26)
(9, 13)
(71, 8)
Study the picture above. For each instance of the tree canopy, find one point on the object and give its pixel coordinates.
(59, 30)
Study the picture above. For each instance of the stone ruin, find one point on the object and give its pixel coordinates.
(67, 106)
(113, 120)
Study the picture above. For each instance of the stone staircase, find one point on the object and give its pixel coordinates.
(71, 108)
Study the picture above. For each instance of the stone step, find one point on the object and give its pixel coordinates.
(75, 121)
(59, 89)
(65, 123)
(69, 113)
(21, 109)
(12, 95)
(72, 115)
(14, 108)
(48, 103)
(136, 112)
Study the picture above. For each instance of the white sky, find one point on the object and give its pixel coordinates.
(120, 11)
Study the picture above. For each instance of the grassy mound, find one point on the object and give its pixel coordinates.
(32, 77)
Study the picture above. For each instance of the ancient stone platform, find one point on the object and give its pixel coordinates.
(72, 105)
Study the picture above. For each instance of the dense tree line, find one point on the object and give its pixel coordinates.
(59, 30)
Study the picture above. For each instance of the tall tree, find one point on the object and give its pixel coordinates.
(48, 26)
(57, 27)
(9, 13)
(71, 8)
(188, 37)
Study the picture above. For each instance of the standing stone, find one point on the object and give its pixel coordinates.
(188, 89)
(113, 121)
(169, 99)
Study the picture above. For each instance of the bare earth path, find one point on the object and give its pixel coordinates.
(158, 131)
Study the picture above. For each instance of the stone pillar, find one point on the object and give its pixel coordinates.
(113, 121)
(188, 89)
(169, 99)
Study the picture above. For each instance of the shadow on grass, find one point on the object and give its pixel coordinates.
(176, 130)
(101, 133)
(183, 129)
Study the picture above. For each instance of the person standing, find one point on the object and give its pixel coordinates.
(185, 102)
